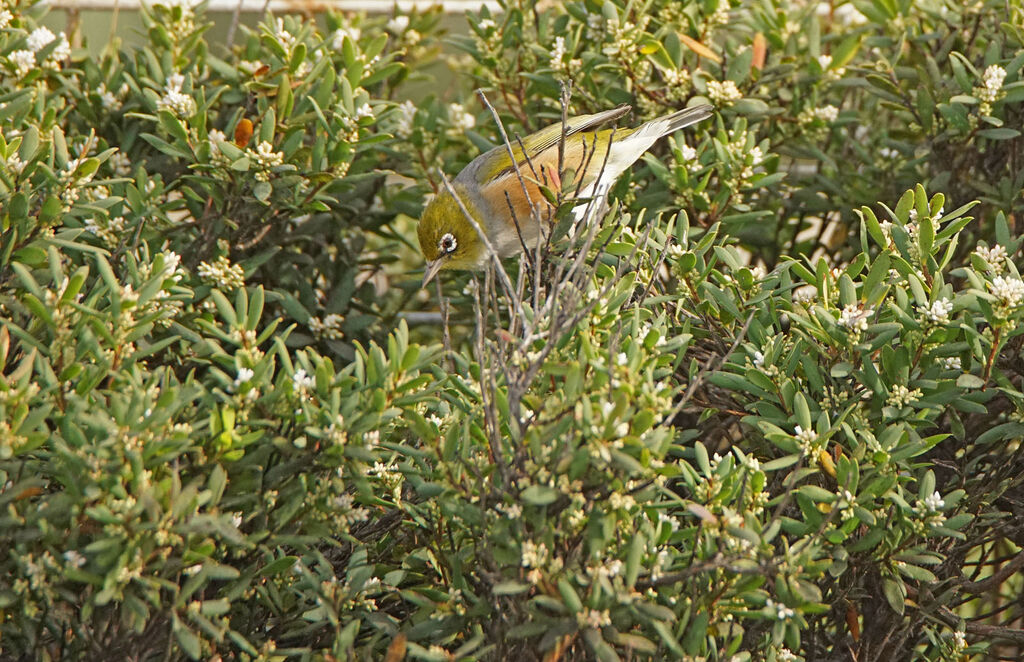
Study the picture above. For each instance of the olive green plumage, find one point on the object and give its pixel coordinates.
(493, 194)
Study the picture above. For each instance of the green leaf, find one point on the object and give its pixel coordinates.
(895, 594)
(999, 134)
(277, 566)
(569, 596)
(187, 639)
(970, 381)
(540, 495)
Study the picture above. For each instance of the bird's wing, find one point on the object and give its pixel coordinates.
(497, 165)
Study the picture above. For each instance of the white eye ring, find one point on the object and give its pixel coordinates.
(447, 244)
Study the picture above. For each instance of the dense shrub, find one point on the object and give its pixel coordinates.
(768, 408)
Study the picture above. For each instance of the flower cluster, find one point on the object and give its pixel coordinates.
(460, 119)
(178, 16)
(778, 610)
(994, 256)
(815, 120)
(174, 100)
(222, 273)
(37, 40)
(107, 230)
(406, 117)
(901, 396)
(267, 158)
(723, 93)
(938, 312)
(1008, 291)
(855, 317)
(991, 88)
(328, 327)
(677, 83)
(810, 444)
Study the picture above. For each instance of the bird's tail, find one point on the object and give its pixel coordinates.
(677, 120)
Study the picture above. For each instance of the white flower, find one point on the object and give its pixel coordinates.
(1009, 291)
(407, 113)
(952, 363)
(486, 25)
(61, 52)
(301, 381)
(176, 101)
(266, 155)
(846, 15)
(328, 327)
(824, 61)
(171, 263)
(939, 311)
(459, 118)
(244, 375)
(827, 113)
(784, 654)
(364, 111)
(5, 18)
(855, 318)
(249, 66)
(283, 37)
(108, 99)
(677, 80)
(40, 37)
(338, 37)
(593, 618)
(533, 554)
(398, 24)
(806, 436)
(74, 559)
(992, 84)
(558, 53)
(780, 611)
(900, 396)
(688, 153)
(995, 256)
(14, 164)
(994, 77)
(934, 503)
(758, 359)
(724, 93)
(222, 273)
(24, 61)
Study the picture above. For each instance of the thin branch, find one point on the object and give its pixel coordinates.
(500, 270)
(997, 578)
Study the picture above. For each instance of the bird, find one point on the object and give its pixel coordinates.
(503, 197)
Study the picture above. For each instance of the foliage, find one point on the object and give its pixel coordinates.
(220, 437)
(824, 106)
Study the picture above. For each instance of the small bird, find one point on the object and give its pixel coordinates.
(503, 205)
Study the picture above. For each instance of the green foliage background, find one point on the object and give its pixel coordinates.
(769, 408)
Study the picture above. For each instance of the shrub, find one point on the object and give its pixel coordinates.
(690, 431)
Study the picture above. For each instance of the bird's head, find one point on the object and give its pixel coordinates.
(447, 239)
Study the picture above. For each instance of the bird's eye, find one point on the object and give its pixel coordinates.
(447, 243)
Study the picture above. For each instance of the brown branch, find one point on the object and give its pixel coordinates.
(996, 579)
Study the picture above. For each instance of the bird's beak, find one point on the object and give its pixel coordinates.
(432, 268)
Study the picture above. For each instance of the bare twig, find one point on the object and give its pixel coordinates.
(495, 258)
(996, 578)
(707, 369)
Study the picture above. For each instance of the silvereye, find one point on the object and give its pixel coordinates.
(503, 204)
